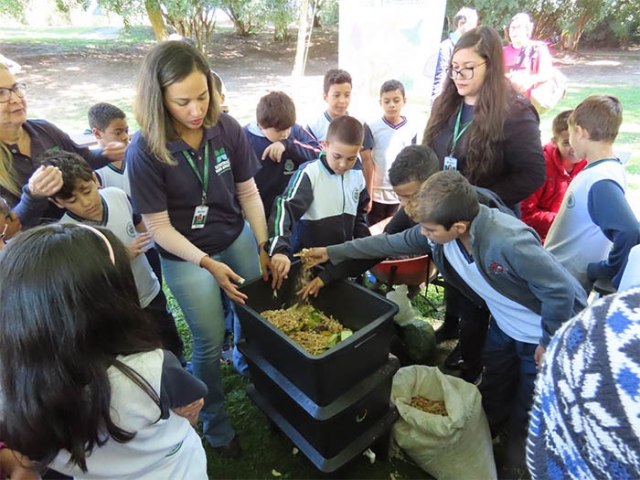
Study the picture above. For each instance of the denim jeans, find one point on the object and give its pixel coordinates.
(198, 295)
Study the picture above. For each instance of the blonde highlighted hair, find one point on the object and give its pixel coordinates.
(166, 64)
(7, 175)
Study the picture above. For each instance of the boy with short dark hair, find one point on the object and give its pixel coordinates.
(110, 208)
(540, 209)
(595, 227)
(280, 143)
(497, 262)
(326, 200)
(337, 87)
(391, 133)
(109, 124)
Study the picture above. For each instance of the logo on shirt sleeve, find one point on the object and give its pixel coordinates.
(222, 161)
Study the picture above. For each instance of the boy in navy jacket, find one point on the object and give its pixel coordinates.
(280, 143)
(326, 200)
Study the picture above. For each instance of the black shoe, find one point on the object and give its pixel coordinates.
(454, 360)
(448, 331)
(230, 450)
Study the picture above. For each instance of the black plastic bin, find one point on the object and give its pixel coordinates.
(332, 428)
(323, 378)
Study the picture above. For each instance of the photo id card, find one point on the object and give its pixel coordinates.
(450, 163)
(199, 217)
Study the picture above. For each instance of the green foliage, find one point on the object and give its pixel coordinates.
(248, 16)
(281, 13)
(12, 9)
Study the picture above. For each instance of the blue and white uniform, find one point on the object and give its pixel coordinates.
(112, 176)
(318, 128)
(118, 218)
(388, 141)
(331, 209)
(165, 445)
(273, 177)
(595, 227)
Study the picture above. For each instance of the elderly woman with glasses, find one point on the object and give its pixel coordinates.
(23, 182)
(482, 127)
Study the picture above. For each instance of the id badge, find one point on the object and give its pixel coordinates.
(199, 217)
(450, 163)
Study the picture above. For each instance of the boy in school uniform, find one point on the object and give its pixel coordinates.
(110, 208)
(391, 133)
(109, 124)
(595, 227)
(280, 143)
(540, 209)
(326, 200)
(497, 262)
(337, 86)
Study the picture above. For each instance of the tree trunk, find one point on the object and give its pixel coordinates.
(299, 64)
(155, 17)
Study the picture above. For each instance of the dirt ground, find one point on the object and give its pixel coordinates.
(63, 83)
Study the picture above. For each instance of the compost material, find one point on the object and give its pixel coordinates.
(308, 327)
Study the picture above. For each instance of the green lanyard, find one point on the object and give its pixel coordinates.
(204, 182)
(457, 133)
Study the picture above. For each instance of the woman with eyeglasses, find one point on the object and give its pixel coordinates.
(482, 127)
(23, 182)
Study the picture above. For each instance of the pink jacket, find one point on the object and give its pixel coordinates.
(540, 209)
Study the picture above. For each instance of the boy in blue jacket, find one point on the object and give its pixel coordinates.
(496, 261)
(326, 200)
(281, 144)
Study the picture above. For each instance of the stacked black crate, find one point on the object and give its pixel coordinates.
(335, 405)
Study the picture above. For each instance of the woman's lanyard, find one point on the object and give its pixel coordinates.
(201, 211)
(451, 162)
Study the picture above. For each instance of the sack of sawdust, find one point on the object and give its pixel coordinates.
(454, 446)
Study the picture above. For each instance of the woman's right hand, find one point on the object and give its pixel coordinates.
(226, 278)
(45, 181)
(314, 256)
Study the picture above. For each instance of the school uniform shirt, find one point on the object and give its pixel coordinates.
(324, 207)
(595, 228)
(45, 137)
(318, 128)
(273, 177)
(540, 208)
(112, 176)
(165, 444)
(157, 186)
(388, 141)
(118, 218)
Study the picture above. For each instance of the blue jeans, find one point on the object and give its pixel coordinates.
(198, 295)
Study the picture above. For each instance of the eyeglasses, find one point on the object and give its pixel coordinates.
(20, 89)
(464, 73)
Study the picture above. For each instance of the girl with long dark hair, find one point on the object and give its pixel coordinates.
(84, 387)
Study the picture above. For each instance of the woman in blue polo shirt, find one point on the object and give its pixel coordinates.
(191, 172)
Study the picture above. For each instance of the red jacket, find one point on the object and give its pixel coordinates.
(540, 209)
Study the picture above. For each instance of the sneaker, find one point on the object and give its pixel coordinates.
(454, 360)
(231, 450)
